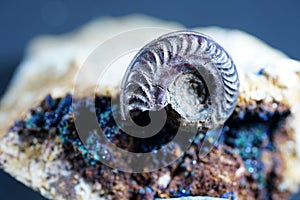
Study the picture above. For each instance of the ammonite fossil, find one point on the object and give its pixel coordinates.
(187, 70)
(257, 156)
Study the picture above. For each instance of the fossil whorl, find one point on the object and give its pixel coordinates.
(186, 69)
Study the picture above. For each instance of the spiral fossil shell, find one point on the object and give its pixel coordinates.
(187, 70)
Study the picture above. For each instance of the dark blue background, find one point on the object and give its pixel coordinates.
(276, 22)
